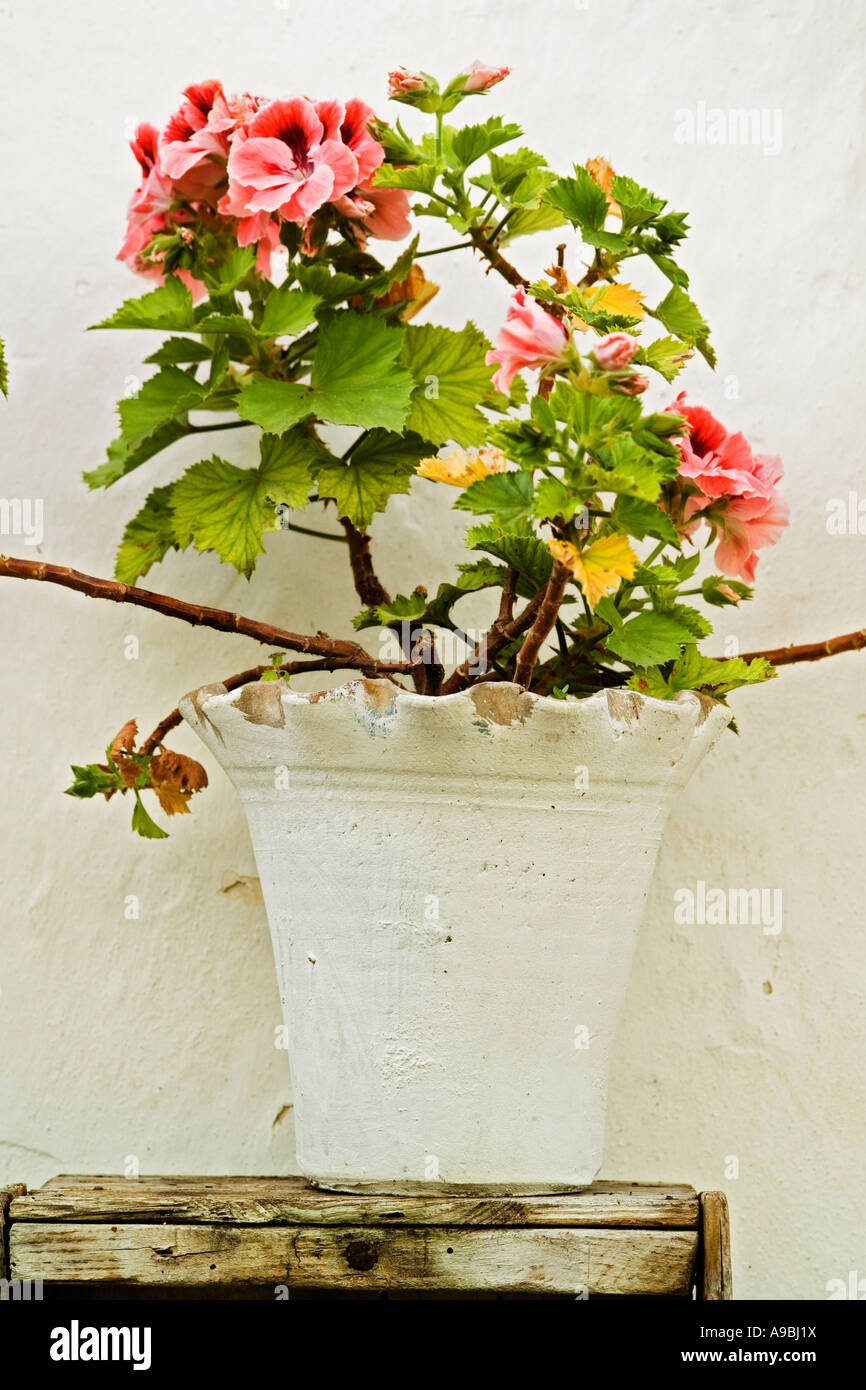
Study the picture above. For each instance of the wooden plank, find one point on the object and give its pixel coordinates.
(292, 1201)
(714, 1275)
(6, 1196)
(625, 1262)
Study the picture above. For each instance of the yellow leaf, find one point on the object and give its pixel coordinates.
(599, 568)
(172, 800)
(459, 468)
(615, 299)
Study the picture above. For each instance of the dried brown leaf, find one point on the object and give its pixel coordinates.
(124, 742)
(177, 770)
(172, 800)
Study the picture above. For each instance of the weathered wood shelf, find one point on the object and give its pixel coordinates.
(611, 1239)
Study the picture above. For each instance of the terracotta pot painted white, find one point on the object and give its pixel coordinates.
(454, 888)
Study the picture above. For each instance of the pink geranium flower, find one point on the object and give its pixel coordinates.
(350, 123)
(482, 77)
(286, 163)
(529, 338)
(381, 212)
(615, 351)
(198, 131)
(735, 491)
(401, 82)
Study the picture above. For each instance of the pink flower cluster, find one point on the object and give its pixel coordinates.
(736, 490)
(246, 165)
(529, 338)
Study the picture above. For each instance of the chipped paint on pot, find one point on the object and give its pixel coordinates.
(454, 888)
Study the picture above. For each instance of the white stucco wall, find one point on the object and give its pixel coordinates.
(153, 1038)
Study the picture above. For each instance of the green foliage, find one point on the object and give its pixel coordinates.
(218, 506)
(507, 497)
(355, 380)
(592, 475)
(648, 639)
(148, 537)
(681, 316)
(381, 464)
(4, 370)
(472, 141)
(169, 309)
(692, 671)
(451, 379)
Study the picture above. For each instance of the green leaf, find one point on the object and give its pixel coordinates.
(508, 497)
(381, 464)
(669, 268)
(649, 639)
(528, 556)
(552, 498)
(121, 459)
(472, 578)
(275, 406)
(667, 356)
(175, 351)
(403, 608)
(330, 288)
(680, 315)
(218, 506)
(472, 141)
(638, 205)
(452, 379)
(236, 324)
(607, 610)
(697, 624)
(169, 308)
(356, 378)
(288, 312)
(4, 370)
(529, 220)
(378, 285)
(148, 537)
(579, 198)
(624, 467)
(92, 780)
(696, 672)
(162, 398)
(142, 823)
(417, 178)
(634, 516)
(234, 269)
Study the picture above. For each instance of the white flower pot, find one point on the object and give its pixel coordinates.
(454, 888)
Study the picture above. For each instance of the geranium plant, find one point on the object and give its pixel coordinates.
(256, 221)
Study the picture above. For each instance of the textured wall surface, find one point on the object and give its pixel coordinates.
(150, 1039)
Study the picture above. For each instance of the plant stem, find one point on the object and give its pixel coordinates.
(367, 586)
(501, 633)
(811, 651)
(440, 250)
(308, 531)
(212, 429)
(545, 619)
(197, 615)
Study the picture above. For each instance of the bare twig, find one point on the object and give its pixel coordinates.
(812, 651)
(197, 615)
(496, 260)
(499, 636)
(509, 594)
(367, 586)
(543, 624)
